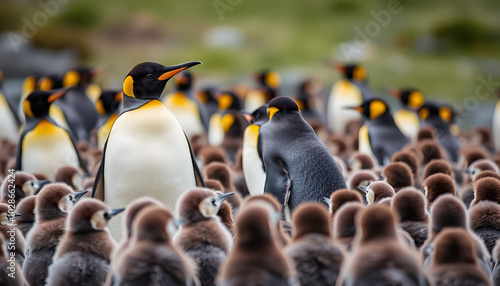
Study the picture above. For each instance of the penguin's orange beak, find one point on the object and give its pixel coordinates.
(396, 93)
(173, 70)
(357, 108)
(53, 97)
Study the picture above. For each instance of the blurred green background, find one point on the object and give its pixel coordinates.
(440, 47)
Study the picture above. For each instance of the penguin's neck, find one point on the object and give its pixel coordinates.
(131, 103)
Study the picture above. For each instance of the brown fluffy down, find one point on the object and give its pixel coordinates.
(410, 205)
(437, 185)
(437, 166)
(340, 197)
(484, 214)
(487, 189)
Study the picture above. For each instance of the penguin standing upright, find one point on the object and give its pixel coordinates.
(146, 153)
(406, 118)
(44, 146)
(76, 105)
(84, 252)
(253, 166)
(185, 108)
(350, 91)
(310, 104)
(384, 136)
(299, 167)
(268, 83)
(9, 121)
(441, 117)
(108, 107)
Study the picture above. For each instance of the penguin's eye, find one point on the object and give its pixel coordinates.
(213, 202)
(71, 199)
(106, 216)
(149, 75)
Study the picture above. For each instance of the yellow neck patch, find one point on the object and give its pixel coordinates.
(273, 79)
(252, 134)
(27, 109)
(359, 74)
(225, 101)
(377, 108)
(202, 97)
(424, 113)
(71, 78)
(227, 122)
(271, 111)
(178, 98)
(99, 107)
(446, 114)
(128, 86)
(416, 99)
(299, 103)
(46, 83)
(29, 85)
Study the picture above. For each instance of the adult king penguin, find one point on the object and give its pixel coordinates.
(146, 152)
(299, 167)
(44, 146)
(406, 118)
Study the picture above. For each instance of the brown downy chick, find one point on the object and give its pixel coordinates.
(53, 204)
(410, 207)
(220, 172)
(316, 258)
(437, 166)
(256, 259)
(378, 257)
(11, 274)
(361, 178)
(152, 258)
(484, 221)
(24, 184)
(71, 176)
(377, 191)
(437, 185)
(84, 252)
(430, 150)
(340, 197)
(411, 160)
(486, 189)
(25, 214)
(360, 161)
(398, 175)
(225, 212)
(344, 224)
(10, 232)
(454, 261)
(203, 237)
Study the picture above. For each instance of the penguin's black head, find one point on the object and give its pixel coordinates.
(147, 80)
(269, 79)
(372, 109)
(410, 97)
(50, 82)
(259, 116)
(228, 100)
(431, 110)
(352, 71)
(281, 104)
(109, 102)
(79, 76)
(38, 102)
(183, 81)
(30, 83)
(206, 95)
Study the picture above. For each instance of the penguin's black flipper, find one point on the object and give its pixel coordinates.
(29, 125)
(98, 188)
(197, 173)
(277, 180)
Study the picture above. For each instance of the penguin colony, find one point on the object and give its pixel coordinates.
(242, 186)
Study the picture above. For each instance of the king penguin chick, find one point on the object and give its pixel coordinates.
(84, 252)
(185, 107)
(398, 175)
(486, 189)
(53, 203)
(296, 160)
(484, 221)
(131, 213)
(225, 212)
(272, 205)
(9, 266)
(410, 159)
(410, 207)
(108, 107)
(70, 176)
(17, 243)
(253, 165)
(430, 150)
(316, 258)
(203, 237)
(9, 120)
(377, 191)
(24, 185)
(341, 197)
(159, 158)
(384, 136)
(152, 258)
(441, 117)
(437, 166)
(454, 261)
(220, 172)
(43, 145)
(448, 211)
(256, 258)
(25, 214)
(437, 185)
(406, 118)
(378, 258)
(350, 91)
(344, 224)
(361, 178)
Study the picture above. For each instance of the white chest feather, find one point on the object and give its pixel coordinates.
(255, 177)
(343, 94)
(147, 155)
(8, 124)
(46, 148)
(186, 112)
